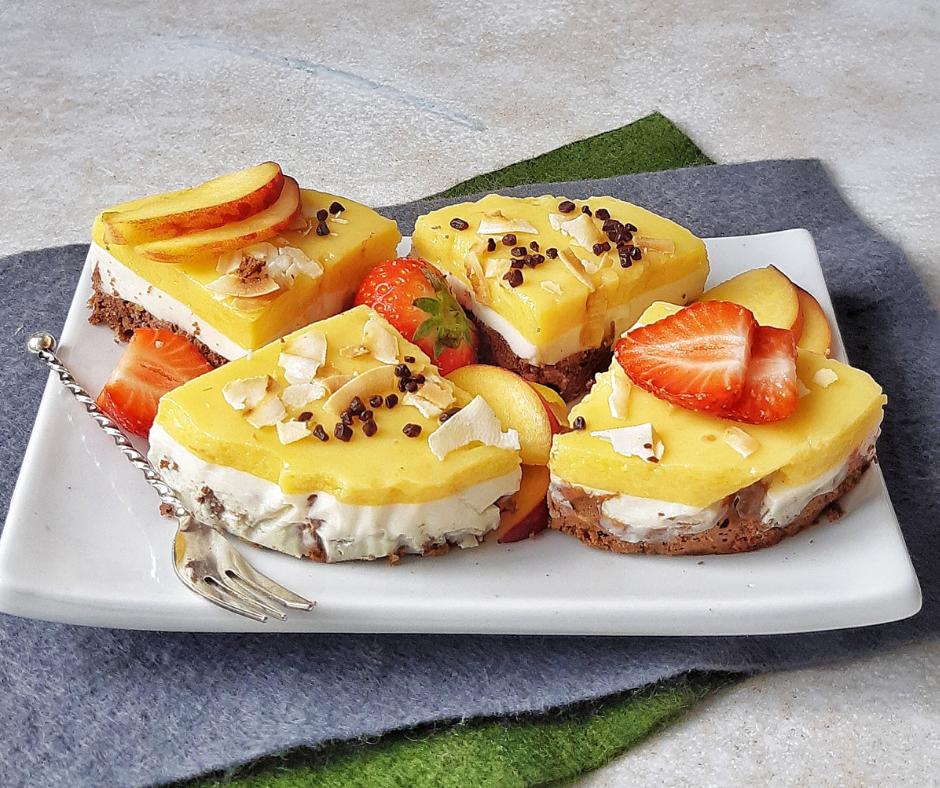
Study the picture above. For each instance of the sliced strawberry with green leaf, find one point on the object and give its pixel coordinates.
(696, 358)
(770, 391)
(413, 296)
(154, 362)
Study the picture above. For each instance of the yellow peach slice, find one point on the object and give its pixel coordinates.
(556, 406)
(527, 511)
(236, 235)
(517, 405)
(231, 198)
(767, 292)
(817, 334)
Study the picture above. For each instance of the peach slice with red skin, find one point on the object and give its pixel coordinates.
(230, 198)
(556, 406)
(817, 333)
(257, 228)
(517, 404)
(527, 511)
(767, 292)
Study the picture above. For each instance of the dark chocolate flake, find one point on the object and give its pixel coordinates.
(458, 224)
(566, 207)
(370, 428)
(391, 401)
(323, 214)
(305, 416)
(336, 207)
(578, 423)
(375, 401)
(509, 239)
(343, 432)
(320, 433)
(411, 430)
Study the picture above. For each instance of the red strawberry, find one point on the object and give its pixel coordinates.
(154, 362)
(696, 358)
(770, 392)
(413, 296)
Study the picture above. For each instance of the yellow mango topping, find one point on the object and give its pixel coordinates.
(581, 281)
(383, 469)
(359, 239)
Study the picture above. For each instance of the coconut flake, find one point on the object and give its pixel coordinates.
(496, 267)
(298, 369)
(497, 224)
(268, 412)
(575, 265)
(288, 263)
(662, 245)
(234, 285)
(742, 442)
(801, 388)
(550, 287)
(373, 381)
(310, 344)
(556, 220)
(380, 340)
(291, 431)
(620, 388)
(433, 398)
(299, 395)
(639, 440)
(825, 377)
(246, 392)
(475, 422)
(475, 274)
(584, 231)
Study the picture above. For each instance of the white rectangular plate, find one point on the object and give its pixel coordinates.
(83, 543)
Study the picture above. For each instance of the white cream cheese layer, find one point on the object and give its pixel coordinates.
(118, 280)
(622, 317)
(646, 519)
(258, 510)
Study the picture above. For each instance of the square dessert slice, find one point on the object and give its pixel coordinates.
(552, 282)
(233, 280)
(330, 444)
(641, 475)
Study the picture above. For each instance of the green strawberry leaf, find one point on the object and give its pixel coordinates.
(430, 305)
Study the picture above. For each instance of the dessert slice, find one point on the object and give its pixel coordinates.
(234, 263)
(552, 282)
(338, 442)
(641, 474)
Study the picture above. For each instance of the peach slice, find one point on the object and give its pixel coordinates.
(817, 333)
(556, 406)
(767, 292)
(527, 511)
(218, 202)
(253, 230)
(517, 405)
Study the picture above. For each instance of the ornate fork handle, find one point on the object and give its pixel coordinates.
(202, 557)
(42, 345)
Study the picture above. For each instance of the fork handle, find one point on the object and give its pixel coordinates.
(42, 345)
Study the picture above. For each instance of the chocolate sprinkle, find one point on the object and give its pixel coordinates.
(566, 207)
(343, 432)
(391, 401)
(459, 224)
(336, 207)
(370, 428)
(411, 430)
(320, 433)
(509, 239)
(375, 401)
(578, 423)
(305, 416)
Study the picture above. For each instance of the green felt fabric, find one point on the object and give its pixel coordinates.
(532, 750)
(649, 144)
(552, 748)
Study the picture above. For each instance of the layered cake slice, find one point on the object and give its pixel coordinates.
(338, 442)
(552, 282)
(234, 263)
(727, 438)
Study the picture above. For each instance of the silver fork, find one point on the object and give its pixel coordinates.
(202, 556)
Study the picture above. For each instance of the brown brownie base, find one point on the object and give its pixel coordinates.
(571, 377)
(123, 317)
(738, 527)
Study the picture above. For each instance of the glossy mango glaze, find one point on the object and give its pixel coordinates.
(540, 315)
(386, 468)
(346, 255)
(698, 466)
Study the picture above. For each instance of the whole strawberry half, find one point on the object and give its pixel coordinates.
(154, 362)
(413, 296)
(696, 358)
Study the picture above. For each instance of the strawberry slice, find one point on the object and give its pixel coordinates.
(154, 362)
(770, 391)
(696, 358)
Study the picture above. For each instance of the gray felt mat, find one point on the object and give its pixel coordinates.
(94, 707)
